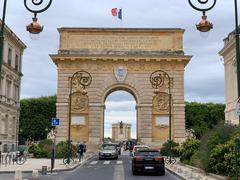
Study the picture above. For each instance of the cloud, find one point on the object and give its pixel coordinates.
(40, 73)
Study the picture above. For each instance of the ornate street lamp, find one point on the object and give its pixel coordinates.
(80, 80)
(33, 28)
(160, 80)
(204, 25)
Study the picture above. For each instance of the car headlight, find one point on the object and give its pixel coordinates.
(101, 153)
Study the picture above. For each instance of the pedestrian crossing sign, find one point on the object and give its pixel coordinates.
(55, 121)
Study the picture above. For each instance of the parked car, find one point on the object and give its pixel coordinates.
(148, 160)
(136, 148)
(108, 151)
(118, 147)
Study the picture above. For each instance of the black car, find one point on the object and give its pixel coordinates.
(148, 161)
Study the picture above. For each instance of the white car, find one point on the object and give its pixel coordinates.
(136, 148)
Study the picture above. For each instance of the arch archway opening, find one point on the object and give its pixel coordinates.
(120, 116)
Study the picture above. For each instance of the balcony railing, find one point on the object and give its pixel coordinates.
(9, 101)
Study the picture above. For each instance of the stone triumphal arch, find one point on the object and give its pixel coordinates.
(148, 63)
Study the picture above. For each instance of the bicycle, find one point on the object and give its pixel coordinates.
(172, 161)
(19, 158)
(66, 161)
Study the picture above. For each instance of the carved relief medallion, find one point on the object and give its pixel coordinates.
(161, 102)
(79, 102)
(120, 73)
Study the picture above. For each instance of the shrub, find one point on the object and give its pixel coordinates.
(166, 147)
(32, 148)
(218, 135)
(61, 149)
(40, 153)
(188, 148)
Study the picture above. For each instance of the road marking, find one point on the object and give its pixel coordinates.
(94, 162)
(118, 173)
(106, 162)
(119, 162)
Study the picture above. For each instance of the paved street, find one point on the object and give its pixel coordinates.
(99, 170)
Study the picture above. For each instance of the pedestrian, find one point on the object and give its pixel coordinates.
(84, 147)
(80, 151)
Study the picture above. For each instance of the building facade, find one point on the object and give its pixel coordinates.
(10, 86)
(94, 62)
(121, 132)
(228, 52)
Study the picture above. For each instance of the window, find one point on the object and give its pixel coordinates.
(16, 62)
(9, 56)
(16, 93)
(8, 89)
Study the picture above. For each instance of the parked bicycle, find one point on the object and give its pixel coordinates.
(170, 160)
(19, 157)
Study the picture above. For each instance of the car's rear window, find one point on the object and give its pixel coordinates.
(148, 153)
(109, 147)
(141, 148)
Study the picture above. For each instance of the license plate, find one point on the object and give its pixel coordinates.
(148, 167)
(107, 154)
(148, 159)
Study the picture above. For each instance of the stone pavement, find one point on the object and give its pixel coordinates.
(191, 173)
(36, 164)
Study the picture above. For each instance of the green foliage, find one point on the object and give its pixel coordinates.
(218, 135)
(188, 148)
(40, 153)
(223, 157)
(61, 149)
(202, 116)
(167, 146)
(32, 148)
(43, 149)
(35, 116)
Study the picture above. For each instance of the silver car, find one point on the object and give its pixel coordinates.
(108, 151)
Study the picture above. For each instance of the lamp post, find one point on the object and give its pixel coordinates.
(33, 28)
(158, 81)
(79, 81)
(205, 26)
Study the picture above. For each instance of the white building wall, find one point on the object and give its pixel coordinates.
(9, 104)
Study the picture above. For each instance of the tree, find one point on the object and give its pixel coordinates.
(202, 116)
(35, 117)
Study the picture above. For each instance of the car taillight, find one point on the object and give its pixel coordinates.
(158, 158)
(138, 158)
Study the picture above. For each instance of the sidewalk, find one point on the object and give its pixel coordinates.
(191, 173)
(36, 164)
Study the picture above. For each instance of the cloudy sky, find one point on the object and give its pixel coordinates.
(204, 78)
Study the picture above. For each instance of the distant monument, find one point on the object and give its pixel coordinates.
(121, 131)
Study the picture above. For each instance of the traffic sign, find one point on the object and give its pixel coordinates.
(238, 107)
(55, 121)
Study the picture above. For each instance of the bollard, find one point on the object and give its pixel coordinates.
(35, 174)
(18, 175)
(44, 170)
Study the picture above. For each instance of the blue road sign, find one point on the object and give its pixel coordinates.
(55, 121)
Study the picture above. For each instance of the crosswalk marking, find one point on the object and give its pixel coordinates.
(106, 162)
(94, 162)
(119, 162)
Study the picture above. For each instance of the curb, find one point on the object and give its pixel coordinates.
(174, 173)
(55, 170)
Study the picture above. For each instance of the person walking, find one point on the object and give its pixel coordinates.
(80, 151)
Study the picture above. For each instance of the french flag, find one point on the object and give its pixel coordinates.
(117, 12)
